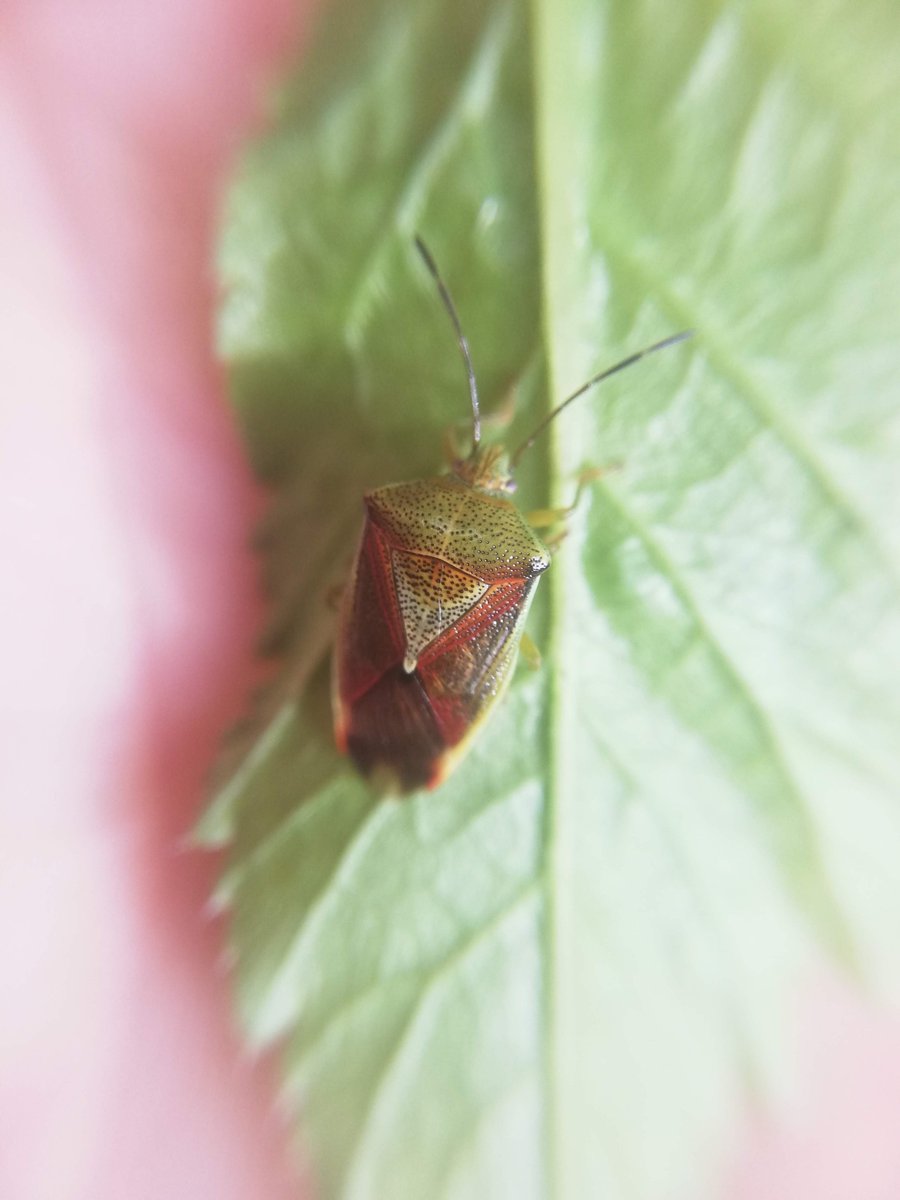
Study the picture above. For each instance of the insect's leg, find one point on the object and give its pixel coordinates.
(531, 656)
(544, 518)
(556, 518)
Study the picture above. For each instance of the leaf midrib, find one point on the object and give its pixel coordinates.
(542, 48)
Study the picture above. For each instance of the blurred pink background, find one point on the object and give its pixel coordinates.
(128, 607)
(128, 615)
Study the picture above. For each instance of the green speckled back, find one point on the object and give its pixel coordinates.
(483, 534)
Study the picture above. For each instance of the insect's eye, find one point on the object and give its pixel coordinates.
(510, 486)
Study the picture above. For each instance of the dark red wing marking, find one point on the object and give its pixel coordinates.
(393, 725)
(464, 668)
(407, 722)
(372, 630)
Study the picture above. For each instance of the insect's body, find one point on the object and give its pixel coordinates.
(433, 615)
(431, 620)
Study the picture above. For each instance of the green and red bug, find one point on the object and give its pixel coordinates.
(434, 611)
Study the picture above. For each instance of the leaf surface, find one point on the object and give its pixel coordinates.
(566, 972)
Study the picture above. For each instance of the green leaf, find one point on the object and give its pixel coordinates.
(565, 973)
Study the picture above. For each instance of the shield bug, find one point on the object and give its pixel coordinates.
(433, 614)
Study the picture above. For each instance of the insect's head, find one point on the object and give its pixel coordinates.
(486, 468)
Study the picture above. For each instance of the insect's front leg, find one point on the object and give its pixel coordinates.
(548, 518)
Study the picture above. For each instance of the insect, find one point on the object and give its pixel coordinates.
(434, 611)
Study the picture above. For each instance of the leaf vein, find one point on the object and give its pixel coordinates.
(824, 896)
(419, 1011)
(751, 391)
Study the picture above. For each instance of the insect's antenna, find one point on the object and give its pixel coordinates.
(595, 379)
(460, 338)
